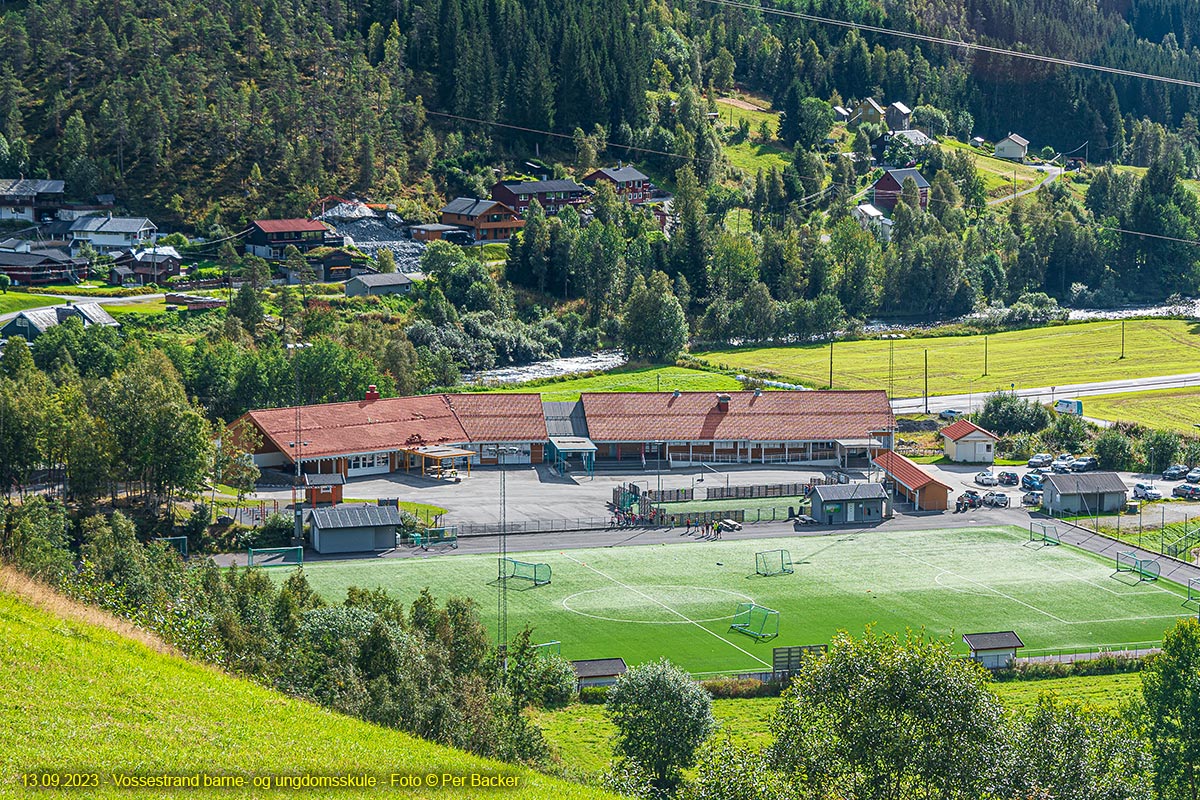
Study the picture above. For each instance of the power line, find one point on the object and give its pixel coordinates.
(983, 48)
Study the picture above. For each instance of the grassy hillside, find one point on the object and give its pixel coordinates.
(1168, 409)
(76, 697)
(582, 734)
(639, 379)
(1051, 356)
(19, 301)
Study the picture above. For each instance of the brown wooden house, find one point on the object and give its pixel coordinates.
(553, 196)
(487, 220)
(629, 183)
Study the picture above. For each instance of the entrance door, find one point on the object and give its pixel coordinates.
(370, 464)
(850, 512)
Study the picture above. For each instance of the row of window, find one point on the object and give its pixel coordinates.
(369, 461)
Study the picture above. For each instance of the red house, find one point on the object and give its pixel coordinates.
(629, 183)
(553, 196)
(886, 191)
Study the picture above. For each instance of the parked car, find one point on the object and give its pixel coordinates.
(1085, 464)
(1175, 472)
(803, 519)
(968, 499)
(986, 479)
(729, 525)
(1032, 499)
(1007, 479)
(1188, 491)
(1041, 460)
(950, 414)
(996, 499)
(1032, 481)
(1193, 476)
(1146, 491)
(1063, 463)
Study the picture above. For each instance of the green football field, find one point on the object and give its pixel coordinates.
(677, 600)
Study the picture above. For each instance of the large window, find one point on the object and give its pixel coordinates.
(369, 461)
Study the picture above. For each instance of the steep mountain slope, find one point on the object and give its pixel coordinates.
(80, 698)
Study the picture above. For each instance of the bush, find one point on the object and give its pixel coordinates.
(1103, 665)
(1005, 414)
(593, 695)
(741, 688)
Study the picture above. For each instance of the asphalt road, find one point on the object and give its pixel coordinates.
(1046, 394)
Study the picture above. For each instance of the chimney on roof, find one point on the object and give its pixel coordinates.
(722, 402)
(372, 393)
(675, 393)
(757, 391)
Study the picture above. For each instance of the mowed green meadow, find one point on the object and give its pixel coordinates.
(1164, 409)
(637, 379)
(1052, 356)
(677, 600)
(19, 301)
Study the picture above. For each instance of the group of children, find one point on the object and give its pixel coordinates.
(706, 530)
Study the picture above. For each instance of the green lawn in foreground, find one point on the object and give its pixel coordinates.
(1050, 356)
(582, 735)
(1168, 409)
(75, 698)
(643, 602)
(19, 301)
(642, 379)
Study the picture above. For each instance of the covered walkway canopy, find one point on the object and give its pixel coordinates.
(564, 447)
(439, 455)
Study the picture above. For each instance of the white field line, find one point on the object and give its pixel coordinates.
(629, 588)
(985, 586)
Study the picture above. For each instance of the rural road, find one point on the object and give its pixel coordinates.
(1052, 174)
(1047, 394)
(58, 300)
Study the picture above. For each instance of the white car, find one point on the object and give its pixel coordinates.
(1145, 491)
(1063, 463)
(986, 479)
(1041, 460)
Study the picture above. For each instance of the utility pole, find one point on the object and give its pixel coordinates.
(502, 562)
(1122, 338)
(831, 363)
(985, 355)
(926, 381)
(297, 450)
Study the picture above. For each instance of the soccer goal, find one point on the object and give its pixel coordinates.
(548, 649)
(447, 535)
(538, 573)
(755, 620)
(1146, 569)
(773, 562)
(1044, 533)
(1194, 589)
(275, 556)
(178, 543)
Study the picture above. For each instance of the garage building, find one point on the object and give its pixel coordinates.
(1084, 493)
(844, 503)
(355, 528)
(967, 443)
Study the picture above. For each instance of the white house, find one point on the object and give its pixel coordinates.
(111, 234)
(966, 442)
(1012, 147)
(872, 219)
(29, 199)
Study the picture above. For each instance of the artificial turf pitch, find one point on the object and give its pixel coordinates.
(676, 600)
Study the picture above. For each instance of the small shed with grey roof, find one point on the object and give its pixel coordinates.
(355, 528)
(382, 283)
(994, 650)
(1084, 493)
(842, 503)
(598, 671)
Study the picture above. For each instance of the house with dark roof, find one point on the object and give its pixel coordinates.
(151, 264)
(30, 199)
(109, 234)
(487, 220)
(436, 231)
(268, 238)
(629, 183)
(966, 443)
(906, 479)
(30, 266)
(898, 117)
(1012, 147)
(553, 196)
(354, 528)
(1084, 493)
(598, 671)
(886, 191)
(994, 650)
(33, 323)
(849, 503)
(323, 488)
(377, 283)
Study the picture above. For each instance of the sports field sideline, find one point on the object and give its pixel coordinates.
(640, 603)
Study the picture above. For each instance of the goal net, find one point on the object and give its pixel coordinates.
(447, 535)
(1146, 569)
(755, 620)
(176, 543)
(1044, 533)
(538, 574)
(275, 556)
(773, 562)
(1193, 588)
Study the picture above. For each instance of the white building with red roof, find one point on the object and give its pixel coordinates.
(965, 442)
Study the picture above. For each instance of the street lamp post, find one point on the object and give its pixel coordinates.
(501, 563)
(297, 449)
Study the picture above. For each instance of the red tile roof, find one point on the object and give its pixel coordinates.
(289, 225)
(337, 429)
(960, 428)
(694, 416)
(905, 470)
(500, 417)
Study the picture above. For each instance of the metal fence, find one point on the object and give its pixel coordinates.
(1178, 539)
(655, 519)
(758, 491)
(1072, 654)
